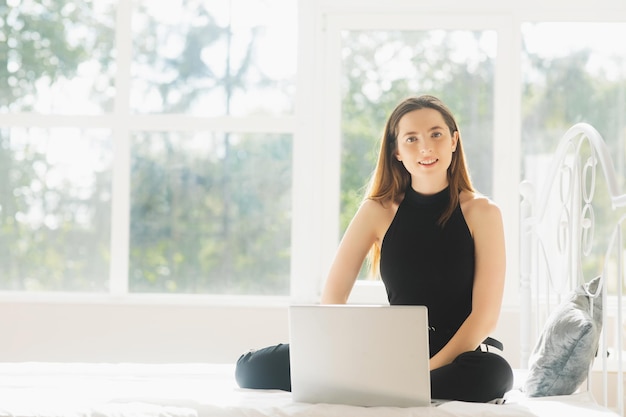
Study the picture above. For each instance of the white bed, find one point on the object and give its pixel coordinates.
(189, 390)
(551, 248)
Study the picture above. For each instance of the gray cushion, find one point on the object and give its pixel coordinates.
(560, 361)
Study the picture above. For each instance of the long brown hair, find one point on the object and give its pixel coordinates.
(391, 179)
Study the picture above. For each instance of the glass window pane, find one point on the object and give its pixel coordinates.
(214, 58)
(55, 209)
(578, 76)
(380, 68)
(210, 213)
(58, 57)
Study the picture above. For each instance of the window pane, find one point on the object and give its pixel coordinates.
(58, 56)
(214, 58)
(55, 209)
(210, 213)
(578, 76)
(380, 68)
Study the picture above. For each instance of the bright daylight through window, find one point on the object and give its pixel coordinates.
(580, 77)
(148, 147)
(205, 200)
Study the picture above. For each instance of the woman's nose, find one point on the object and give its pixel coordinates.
(425, 149)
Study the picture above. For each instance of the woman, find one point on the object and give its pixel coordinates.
(436, 242)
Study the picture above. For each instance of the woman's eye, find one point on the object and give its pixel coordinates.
(437, 134)
(411, 139)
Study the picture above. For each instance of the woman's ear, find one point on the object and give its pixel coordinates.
(455, 140)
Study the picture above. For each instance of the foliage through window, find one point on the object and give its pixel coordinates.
(209, 195)
(578, 77)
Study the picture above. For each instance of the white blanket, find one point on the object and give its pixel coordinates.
(199, 390)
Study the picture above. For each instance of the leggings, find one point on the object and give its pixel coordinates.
(473, 376)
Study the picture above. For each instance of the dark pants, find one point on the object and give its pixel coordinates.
(473, 376)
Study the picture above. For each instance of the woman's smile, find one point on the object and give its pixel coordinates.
(428, 162)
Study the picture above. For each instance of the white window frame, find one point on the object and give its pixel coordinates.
(123, 123)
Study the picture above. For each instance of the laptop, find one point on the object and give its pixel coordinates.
(360, 355)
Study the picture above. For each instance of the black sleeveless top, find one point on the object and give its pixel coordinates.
(422, 263)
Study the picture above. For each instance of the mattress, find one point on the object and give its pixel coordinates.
(198, 389)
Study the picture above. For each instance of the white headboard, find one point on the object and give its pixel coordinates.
(573, 217)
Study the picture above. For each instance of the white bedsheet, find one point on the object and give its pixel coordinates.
(198, 390)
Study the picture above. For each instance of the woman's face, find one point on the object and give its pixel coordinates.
(425, 147)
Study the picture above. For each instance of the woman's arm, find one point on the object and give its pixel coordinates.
(364, 230)
(485, 222)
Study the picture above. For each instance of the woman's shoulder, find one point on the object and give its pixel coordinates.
(478, 208)
(377, 215)
(379, 207)
(474, 198)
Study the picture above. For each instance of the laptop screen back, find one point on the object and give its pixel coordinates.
(360, 355)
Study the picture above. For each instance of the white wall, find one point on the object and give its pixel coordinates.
(105, 332)
(150, 333)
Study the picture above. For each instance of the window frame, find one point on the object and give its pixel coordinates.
(123, 122)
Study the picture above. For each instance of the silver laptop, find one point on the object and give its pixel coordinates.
(360, 355)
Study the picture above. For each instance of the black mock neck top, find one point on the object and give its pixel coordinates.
(423, 263)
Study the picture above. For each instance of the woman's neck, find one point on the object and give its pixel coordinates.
(428, 188)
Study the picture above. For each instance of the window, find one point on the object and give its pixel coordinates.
(577, 77)
(208, 58)
(136, 136)
(55, 209)
(60, 57)
(210, 213)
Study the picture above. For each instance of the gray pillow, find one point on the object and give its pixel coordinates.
(560, 361)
